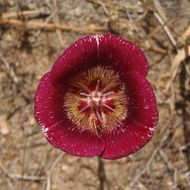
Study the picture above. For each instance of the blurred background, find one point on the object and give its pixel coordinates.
(33, 34)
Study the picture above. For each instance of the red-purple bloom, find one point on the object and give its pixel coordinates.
(96, 100)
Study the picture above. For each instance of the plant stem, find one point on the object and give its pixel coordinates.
(101, 174)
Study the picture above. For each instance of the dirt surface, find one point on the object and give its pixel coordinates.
(33, 33)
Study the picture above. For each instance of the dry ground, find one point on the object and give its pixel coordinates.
(33, 33)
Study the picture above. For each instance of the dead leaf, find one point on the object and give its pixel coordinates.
(4, 130)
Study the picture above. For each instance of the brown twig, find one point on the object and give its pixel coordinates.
(56, 19)
(90, 29)
(98, 2)
(158, 28)
(21, 177)
(186, 34)
(160, 16)
(27, 177)
(185, 117)
(153, 48)
(23, 158)
(171, 168)
(120, 8)
(10, 72)
(26, 14)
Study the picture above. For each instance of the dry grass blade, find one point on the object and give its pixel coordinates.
(20, 177)
(181, 55)
(186, 34)
(160, 10)
(160, 16)
(141, 172)
(166, 29)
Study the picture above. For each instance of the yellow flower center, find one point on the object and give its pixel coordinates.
(96, 100)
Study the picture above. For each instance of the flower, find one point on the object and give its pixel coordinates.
(96, 100)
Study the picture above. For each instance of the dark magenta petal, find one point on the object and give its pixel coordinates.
(122, 54)
(58, 130)
(125, 140)
(104, 50)
(140, 123)
(80, 55)
(141, 100)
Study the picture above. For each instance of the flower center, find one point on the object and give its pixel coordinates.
(97, 104)
(96, 100)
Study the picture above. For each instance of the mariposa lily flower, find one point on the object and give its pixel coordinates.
(96, 100)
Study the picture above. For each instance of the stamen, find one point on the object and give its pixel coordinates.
(109, 107)
(84, 99)
(85, 94)
(97, 85)
(83, 109)
(85, 88)
(108, 93)
(106, 88)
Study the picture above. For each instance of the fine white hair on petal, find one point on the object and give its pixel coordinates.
(152, 129)
(98, 43)
(44, 130)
